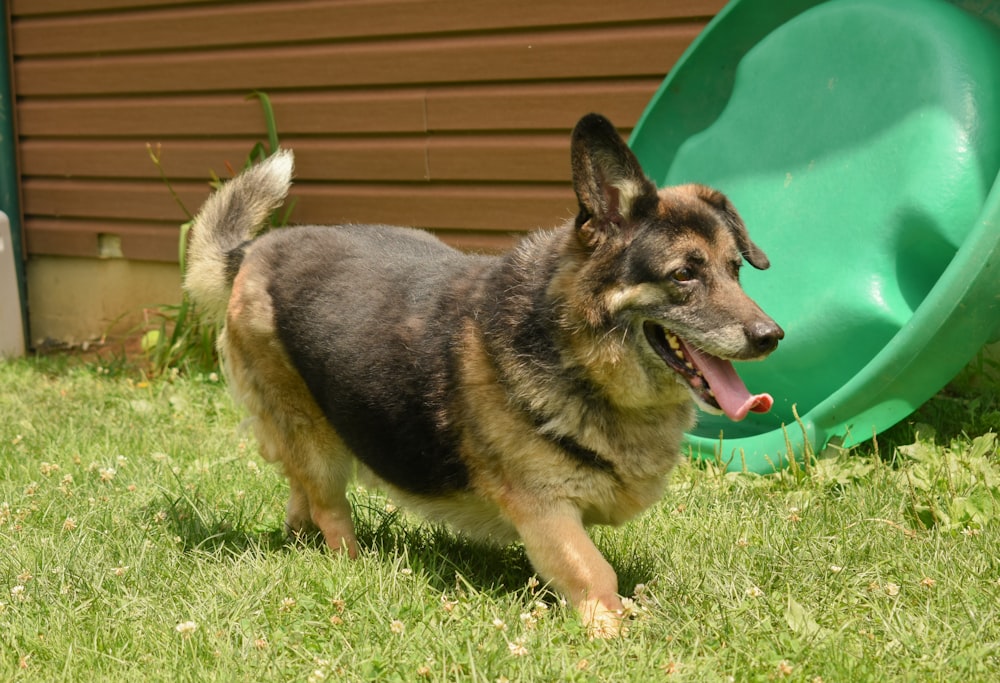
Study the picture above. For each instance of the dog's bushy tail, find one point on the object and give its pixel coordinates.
(235, 214)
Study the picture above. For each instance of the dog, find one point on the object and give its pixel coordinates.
(517, 396)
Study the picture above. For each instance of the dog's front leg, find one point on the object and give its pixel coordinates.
(561, 551)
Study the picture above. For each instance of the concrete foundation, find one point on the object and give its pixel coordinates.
(76, 300)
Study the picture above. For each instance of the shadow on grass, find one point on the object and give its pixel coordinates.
(961, 409)
(203, 527)
(437, 553)
(440, 554)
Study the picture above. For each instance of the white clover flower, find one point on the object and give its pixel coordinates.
(517, 648)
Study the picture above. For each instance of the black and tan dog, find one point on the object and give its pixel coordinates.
(520, 396)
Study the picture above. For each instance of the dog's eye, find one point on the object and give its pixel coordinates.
(684, 274)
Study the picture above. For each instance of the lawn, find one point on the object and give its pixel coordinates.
(141, 539)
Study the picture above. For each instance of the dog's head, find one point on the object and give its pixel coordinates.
(663, 265)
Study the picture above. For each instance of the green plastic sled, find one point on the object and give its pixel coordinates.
(860, 141)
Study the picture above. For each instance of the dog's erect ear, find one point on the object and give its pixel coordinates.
(754, 255)
(610, 185)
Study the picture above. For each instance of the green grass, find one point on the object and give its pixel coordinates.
(141, 540)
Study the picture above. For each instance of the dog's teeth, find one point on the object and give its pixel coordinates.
(674, 343)
(689, 365)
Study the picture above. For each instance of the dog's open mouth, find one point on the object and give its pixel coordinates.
(713, 380)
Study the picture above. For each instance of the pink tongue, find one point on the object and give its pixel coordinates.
(729, 390)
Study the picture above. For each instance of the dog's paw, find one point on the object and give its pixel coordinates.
(603, 622)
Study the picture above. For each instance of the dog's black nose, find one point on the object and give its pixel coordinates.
(764, 335)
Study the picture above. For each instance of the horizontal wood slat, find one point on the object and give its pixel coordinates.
(311, 21)
(469, 207)
(159, 242)
(113, 200)
(554, 106)
(396, 111)
(509, 157)
(500, 158)
(37, 7)
(534, 106)
(455, 207)
(581, 53)
(75, 237)
(357, 159)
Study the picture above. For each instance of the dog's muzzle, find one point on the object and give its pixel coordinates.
(716, 386)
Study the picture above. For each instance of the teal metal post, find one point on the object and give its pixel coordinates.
(10, 201)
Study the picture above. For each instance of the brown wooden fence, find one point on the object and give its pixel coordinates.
(446, 114)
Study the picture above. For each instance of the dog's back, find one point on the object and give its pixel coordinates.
(355, 305)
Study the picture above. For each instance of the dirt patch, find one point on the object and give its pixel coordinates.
(125, 351)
